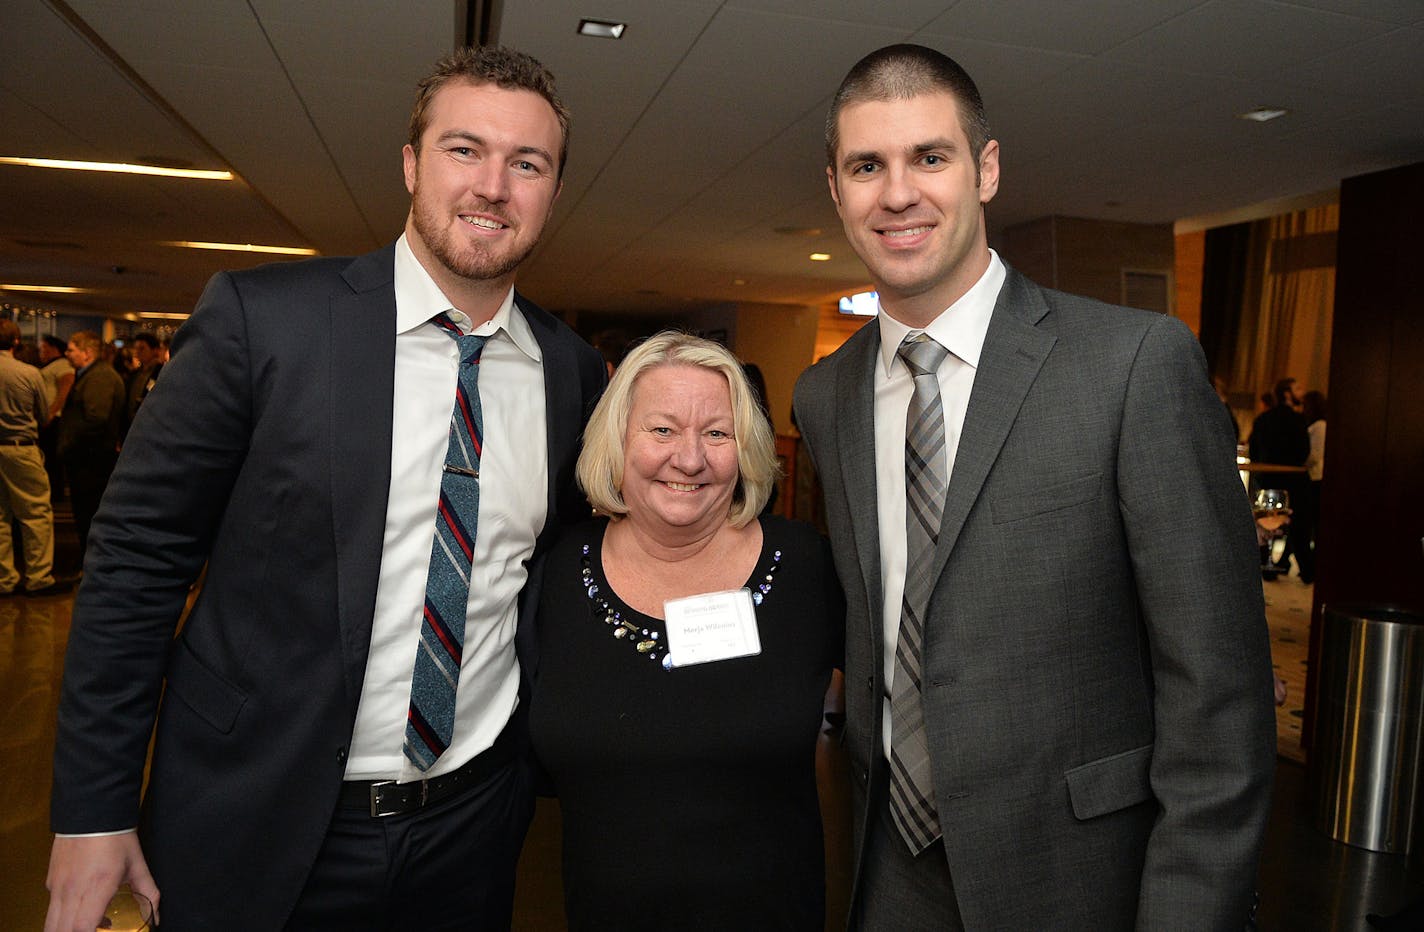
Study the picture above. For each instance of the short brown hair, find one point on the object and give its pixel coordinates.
(88, 341)
(899, 72)
(9, 334)
(600, 465)
(490, 64)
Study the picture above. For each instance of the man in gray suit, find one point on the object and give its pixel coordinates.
(1057, 666)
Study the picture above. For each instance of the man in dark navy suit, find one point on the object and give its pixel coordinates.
(296, 446)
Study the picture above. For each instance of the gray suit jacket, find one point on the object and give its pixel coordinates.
(264, 455)
(1097, 667)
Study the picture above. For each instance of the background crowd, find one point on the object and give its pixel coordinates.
(64, 409)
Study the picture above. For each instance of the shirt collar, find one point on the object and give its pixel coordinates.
(418, 299)
(959, 328)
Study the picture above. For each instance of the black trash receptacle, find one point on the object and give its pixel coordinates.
(1368, 753)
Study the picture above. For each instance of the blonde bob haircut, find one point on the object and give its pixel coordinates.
(600, 465)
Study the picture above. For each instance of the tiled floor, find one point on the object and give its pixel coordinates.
(1307, 881)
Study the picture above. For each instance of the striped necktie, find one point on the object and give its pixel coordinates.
(912, 799)
(430, 722)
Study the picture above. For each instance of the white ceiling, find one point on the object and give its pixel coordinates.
(695, 137)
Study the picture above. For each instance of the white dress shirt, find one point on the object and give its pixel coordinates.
(960, 328)
(512, 510)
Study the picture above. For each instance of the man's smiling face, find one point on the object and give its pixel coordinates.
(911, 197)
(483, 183)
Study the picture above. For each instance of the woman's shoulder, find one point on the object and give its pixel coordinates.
(794, 537)
(572, 539)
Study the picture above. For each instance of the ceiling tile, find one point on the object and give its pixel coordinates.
(1245, 38)
(1084, 27)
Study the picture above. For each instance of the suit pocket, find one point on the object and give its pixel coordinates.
(1038, 500)
(1110, 783)
(213, 698)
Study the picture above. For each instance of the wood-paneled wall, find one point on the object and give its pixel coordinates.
(1372, 500)
(1091, 257)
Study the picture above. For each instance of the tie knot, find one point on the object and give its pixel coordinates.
(469, 344)
(922, 354)
(470, 347)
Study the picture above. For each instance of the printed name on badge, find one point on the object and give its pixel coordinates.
(711, 626)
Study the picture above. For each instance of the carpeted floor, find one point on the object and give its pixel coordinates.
(1288, 602)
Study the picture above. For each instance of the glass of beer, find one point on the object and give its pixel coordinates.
(127, 912)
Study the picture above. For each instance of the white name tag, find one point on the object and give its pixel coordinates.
(712, 626)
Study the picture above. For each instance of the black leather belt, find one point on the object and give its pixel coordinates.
(17, 443)
(387, 797)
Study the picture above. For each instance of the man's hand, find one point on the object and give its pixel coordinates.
(84, 873)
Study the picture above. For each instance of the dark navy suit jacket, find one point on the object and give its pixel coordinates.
(264, 455)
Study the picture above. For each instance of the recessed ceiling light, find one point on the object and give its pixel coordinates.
(1262, 114)
(121, 167)
(159, 315)
(46, 289)
(739, 281)
(244, 247)
(601, 29)
(820, 257)
(164, 161)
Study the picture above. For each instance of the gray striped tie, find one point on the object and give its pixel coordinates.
(912, 799)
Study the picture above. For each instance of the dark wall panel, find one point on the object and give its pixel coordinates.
(1372, 500)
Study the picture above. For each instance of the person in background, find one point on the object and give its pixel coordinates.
(361, 456)
(1058, 702)
(24, 485)
(1218, 383)
(58, 375)
(90, 426)
(144, 348)
(27, 353)
(613, 344)
(120, 357)
(757, 383)
(1312, 409)
(685, 761)
(1279, 437)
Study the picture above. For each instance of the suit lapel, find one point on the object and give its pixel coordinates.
(361, 385)
(1014, 351)
(561, 400)
(854, 414)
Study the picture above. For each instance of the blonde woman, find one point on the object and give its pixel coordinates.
(685, 649)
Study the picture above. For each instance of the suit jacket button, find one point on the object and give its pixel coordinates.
(870, 683)
(341, 755)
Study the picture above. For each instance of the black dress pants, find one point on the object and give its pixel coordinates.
(87, 478)
(450, 866)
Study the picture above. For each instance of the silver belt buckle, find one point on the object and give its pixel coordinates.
(376, 789)
(376, 798)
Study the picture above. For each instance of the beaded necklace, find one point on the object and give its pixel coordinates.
(649, 641)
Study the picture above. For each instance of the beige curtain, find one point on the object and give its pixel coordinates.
(1292, 271)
